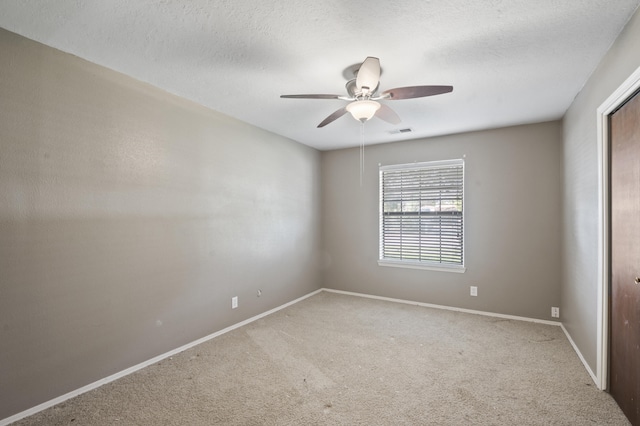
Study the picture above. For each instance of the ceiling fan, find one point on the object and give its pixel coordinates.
(362, 92)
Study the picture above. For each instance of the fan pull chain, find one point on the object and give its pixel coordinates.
(361, 151)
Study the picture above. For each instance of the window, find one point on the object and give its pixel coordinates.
(421, 215)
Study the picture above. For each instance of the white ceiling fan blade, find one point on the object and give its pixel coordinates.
(368, 74)
(387, 114)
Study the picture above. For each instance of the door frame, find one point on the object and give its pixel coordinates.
(613, 102)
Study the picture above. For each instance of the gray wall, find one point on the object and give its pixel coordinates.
(129, 218)
(580, 241)
(512, 221)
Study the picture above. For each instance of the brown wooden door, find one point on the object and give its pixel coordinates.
(624, 349)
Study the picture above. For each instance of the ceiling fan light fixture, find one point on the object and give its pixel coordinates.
(363, 110)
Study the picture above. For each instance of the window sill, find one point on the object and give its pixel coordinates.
(421, 265)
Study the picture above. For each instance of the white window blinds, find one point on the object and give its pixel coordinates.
(421, 213)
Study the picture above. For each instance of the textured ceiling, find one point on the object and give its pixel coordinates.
(510, 61)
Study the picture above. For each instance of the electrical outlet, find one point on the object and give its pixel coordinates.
(555, 312)
(234, 302)
(474, 290)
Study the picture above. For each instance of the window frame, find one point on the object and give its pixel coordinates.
(420, 264)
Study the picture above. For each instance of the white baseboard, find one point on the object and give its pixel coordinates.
(584, 362)
(158, 358)
(448, 308)
(116, 376)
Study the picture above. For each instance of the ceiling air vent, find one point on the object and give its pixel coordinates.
(397, 131)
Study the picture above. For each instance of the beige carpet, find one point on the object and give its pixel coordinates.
(342, 360)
